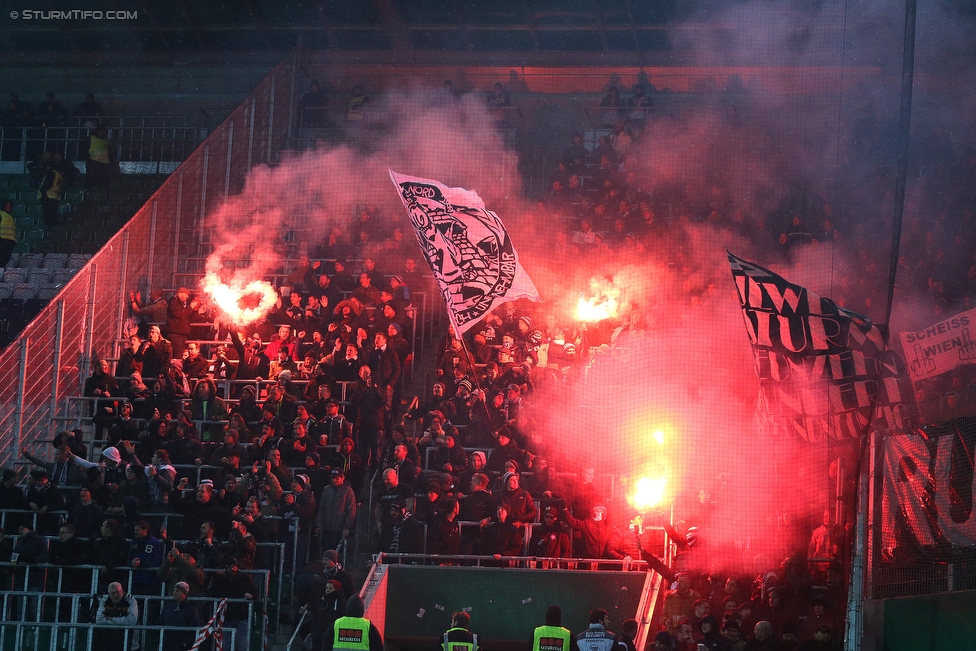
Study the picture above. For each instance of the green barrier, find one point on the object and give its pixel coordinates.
(505, 605)
(944, 621)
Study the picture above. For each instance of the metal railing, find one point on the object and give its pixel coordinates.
(53, 354)
(151, 144)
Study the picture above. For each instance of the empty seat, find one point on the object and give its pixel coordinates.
(55, 261)
(6, 289)
(31, 261)
(24, 291)
(40, 276)
(15, 275)
(47, 292)
(63, 276)
(77, 261)
(20, 182)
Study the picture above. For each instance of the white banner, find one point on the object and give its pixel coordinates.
(467, 248)
(940, 348)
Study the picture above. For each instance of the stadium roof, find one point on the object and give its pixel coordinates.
(397, 26)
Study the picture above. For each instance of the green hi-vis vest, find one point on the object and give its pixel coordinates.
(351, 633)
(551, 638)
(460, 639)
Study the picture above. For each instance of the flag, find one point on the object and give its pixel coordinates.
(214, 628)
(823, 370)
(940, 348)
(467, 247)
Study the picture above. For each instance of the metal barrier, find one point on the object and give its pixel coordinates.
(523, 562)
(65, 635)
(130, 143)
(53, 354)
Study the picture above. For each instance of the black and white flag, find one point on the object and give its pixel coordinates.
(468, 249)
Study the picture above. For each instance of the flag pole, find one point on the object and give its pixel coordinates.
(477, 380)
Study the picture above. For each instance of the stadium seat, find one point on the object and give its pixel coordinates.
(30, 261)
(55, 261)
(47, 292)
(39, 276)
(24, 291)
(15, 275)
(77, 261)
(63, 276)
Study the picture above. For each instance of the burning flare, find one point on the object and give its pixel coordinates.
(242, 304)
(593, 310)
(603, 304)
(647, 494)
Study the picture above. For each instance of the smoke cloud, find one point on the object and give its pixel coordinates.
(733, 171)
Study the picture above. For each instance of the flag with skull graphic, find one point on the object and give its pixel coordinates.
(468, 249)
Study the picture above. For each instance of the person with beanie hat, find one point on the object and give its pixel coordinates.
(663, 641)
(551, 539)
(352, 630)
(180, 612)
(552, 636)
(300, 503)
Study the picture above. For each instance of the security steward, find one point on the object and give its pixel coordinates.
(52, 185)
(98, 162)
(552, 636)
(458, 637)
(8, 233)
(353, 631)
(597, 637)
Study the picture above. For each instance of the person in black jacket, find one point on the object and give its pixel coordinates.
(501, 538)
(69, 550)
(179, 313)
(300, 503)
(180, 612)
(403, 534)
(110, 551)
(234, 584)
(44, 498)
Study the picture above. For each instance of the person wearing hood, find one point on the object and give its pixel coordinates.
(352, 630)
(711, 635)
(663, 641)
(325, 609)
(476, 464)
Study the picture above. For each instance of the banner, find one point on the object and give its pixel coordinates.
(822, 369)
(927, 507)
(940, 348)
(214, 628)
(467, 247)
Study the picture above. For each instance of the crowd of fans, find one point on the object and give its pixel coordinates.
(292, 416)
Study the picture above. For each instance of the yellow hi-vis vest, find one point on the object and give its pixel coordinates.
(8, 227)
(351, 633)
(552, 638)
(459, 639)
(98, 150)
(57, 187)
